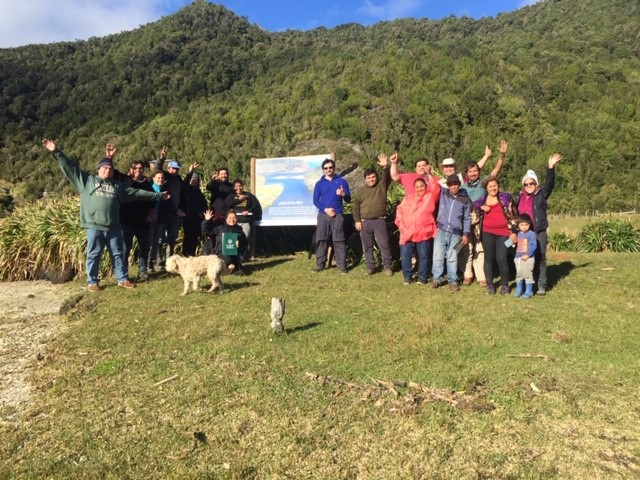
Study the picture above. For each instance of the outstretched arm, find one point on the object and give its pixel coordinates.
(394, 166)
(487, 154)
(504, 146)
(110, 151)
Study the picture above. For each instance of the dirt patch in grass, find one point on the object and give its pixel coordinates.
(29, 319)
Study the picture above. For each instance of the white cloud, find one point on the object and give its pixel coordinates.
(391, 9)
(25, 22)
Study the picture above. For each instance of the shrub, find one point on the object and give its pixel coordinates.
(561, 242)
(609, 235)
(43, 240)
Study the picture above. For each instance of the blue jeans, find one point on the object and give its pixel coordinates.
(96, 241)
(406, 254)
(445, 246)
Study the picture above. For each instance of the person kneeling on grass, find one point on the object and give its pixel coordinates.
(231, 242)
(526, 245)
(100, 200)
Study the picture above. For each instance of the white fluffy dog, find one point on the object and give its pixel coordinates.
(192, 268)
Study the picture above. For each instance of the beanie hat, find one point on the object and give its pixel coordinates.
(532, 175)
(105, 162)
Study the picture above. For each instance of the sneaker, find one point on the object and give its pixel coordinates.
(541, 291)
(454, 287)
(482, 283)
(407, 281)
(93, 288)
(504, 290)
(421, 282)
(317, 269)
(491, 290)
(127, 284)
(467, 281)
(368, 272)
(388, 272)
(343, 271)
(143, 277)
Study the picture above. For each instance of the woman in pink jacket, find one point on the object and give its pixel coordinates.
(415, 218)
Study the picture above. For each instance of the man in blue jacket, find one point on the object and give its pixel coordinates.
(100, 200)
(328, 196)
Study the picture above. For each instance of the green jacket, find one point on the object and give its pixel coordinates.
(100, 200)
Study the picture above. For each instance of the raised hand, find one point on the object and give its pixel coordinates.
(193, 166)
(340, 191)
(208, 215)
(487, 151)
(48, 144)
(214, 175)
(504, 146)
(109, 151)
(382, 160)
(164, 152)
(394, 157)
(553, 159)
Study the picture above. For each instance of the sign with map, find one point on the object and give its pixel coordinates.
(284, 187)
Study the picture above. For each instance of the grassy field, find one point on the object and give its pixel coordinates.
(373, 380)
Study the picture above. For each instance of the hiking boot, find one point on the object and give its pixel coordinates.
(143, 277)
(454, 287)
(491, 290)
(93, 288)
(343, 271)
(467, 281)
(369, 272)
(317, 269)
(437, 283)
(504, 290)
(388, 272)
(127, 284)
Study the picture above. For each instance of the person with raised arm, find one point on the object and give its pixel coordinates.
(100, 199)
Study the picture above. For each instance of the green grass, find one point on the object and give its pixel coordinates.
(501, 387)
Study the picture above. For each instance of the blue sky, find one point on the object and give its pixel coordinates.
(25, 22)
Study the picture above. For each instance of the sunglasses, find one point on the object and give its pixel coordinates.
(529, 184)
(327, 168)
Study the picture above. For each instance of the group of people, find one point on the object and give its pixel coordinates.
(457, 225)
(117, 207)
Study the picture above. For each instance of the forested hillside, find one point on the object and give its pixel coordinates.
(562, 75)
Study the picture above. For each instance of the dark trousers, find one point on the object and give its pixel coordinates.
(191, 230)
(375, 229)
(143, 235)
(495, 250)
(540, 268)
(331, 228)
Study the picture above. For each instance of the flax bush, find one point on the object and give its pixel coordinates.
(609, 235)
(42, 240)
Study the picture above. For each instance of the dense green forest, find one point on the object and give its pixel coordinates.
(562, 75)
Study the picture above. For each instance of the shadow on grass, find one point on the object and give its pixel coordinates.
(261, 264)
(302, 328)
(232, 287)
(557, 272)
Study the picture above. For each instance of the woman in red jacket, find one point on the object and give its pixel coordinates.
(415, 218)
